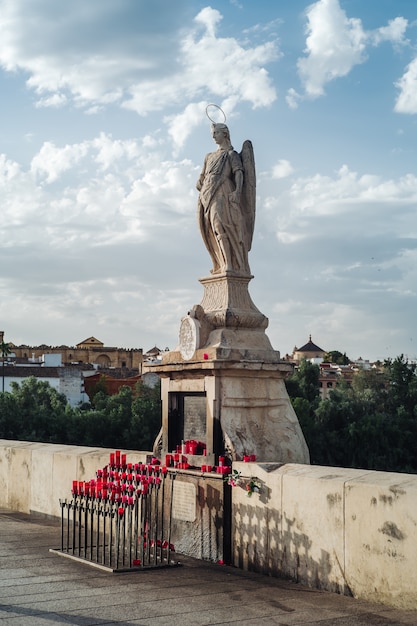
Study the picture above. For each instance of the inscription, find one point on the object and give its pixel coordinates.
(184, 502)
(195, 418)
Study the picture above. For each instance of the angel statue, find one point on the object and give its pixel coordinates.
(226, 203)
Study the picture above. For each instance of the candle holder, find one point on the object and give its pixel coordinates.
(121, 519)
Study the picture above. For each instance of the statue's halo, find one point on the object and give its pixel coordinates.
(216, 106)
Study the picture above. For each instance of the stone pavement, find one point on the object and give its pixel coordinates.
(40, 588)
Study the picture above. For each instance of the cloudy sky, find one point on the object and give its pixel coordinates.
(103, 133)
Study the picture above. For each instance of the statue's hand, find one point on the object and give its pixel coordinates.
(234, 196)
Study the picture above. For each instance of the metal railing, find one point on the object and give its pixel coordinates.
(121, 523)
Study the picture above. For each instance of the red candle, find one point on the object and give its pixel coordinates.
(192, 447)
(204, 468)
(253, 457)
(123, 460)
(246, 458)
(111, 458)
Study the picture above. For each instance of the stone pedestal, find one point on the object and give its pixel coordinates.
(247, 408)
(224, 383)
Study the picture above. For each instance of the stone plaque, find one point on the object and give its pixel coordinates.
(195, 417)
(184, 503)
(189, 337)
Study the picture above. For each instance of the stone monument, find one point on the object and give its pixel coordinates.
(224, 383)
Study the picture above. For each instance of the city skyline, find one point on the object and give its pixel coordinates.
(103, 134)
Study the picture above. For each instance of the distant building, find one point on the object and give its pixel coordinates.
(308, 351)
(67, 368)
(154, 354)
(90, 351)
(67, 380)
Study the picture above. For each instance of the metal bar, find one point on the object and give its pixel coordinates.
(68, 523)
(74, 512)
(103, 557)
(172, 476)
(99, 510)
(162, 517)
(62, 505)
(129, 534)
(155, 545)
(79, 528)
(111, 536)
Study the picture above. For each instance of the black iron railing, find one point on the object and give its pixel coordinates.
(121, 525)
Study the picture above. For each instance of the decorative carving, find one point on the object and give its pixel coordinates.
(189, 337)
(227, 303)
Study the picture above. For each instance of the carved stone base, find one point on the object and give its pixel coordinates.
(226, 325)
(227, 303)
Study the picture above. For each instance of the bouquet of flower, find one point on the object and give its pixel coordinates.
(252, 485)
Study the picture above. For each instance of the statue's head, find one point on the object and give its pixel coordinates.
(221, 128)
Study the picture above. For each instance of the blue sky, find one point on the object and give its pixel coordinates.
(103, 133)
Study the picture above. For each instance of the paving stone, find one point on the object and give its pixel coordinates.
(40, 588)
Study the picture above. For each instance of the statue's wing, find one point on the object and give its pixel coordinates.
(249, 190)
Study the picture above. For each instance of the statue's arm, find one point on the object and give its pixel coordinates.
(238, 177)
(235, 195)
(200, 181)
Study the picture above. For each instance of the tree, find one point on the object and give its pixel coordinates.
(146, 416)
(5, 351)
(41, 411)
(334, 356)
(371, 424)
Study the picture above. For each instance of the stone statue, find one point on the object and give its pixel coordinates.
(226, 204)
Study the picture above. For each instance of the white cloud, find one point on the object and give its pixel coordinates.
(56, 101)
(106, 53)
(293, 98)
(242, 77)
(407, 98)
(282, 169)
(51, 161)
(335, 44)
(394, 32)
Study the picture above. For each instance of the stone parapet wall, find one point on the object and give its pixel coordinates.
(345, 530)
(35, 476)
